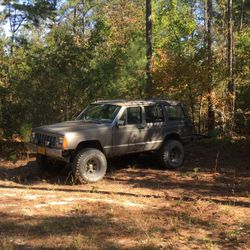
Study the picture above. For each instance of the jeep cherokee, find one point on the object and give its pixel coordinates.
(113, 128)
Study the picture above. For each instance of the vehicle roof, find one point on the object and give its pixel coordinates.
(122, 102)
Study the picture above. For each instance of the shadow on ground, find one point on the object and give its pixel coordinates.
(212, 168)
(102, 228)
(214, 172)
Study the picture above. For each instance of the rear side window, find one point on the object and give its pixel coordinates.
(154, 114)
(175, 113)
(132, 115)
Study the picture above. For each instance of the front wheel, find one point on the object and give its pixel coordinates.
(89, 165)
(171, 155)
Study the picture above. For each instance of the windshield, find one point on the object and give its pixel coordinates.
(103, 113)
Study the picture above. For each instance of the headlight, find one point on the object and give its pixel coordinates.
(62, 142)
(59, 141)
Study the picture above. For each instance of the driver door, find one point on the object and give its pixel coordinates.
(128, 136)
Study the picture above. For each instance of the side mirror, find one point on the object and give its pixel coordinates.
(120, 123)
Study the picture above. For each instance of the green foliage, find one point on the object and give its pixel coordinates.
(25, 132)
(174, 25)
(59, 57)
(243, 55)
(243, 97)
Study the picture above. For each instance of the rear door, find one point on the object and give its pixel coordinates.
(155, 126)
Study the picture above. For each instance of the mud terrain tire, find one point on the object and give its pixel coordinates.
(89, 165)
(171, 155)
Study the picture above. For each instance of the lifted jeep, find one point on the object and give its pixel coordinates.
(113, 128)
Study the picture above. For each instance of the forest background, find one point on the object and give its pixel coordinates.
(56, 56)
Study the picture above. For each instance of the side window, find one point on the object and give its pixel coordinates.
(175, 113)
(154, 114)
(132, 115)
(124, 116)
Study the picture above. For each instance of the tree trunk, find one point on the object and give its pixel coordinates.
(200, 110)
(211, 115)
(83, 18)
(230, 48)
(74, 21)
(231, 83)
(149, 81)
(241, 14)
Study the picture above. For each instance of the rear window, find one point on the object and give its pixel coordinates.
(154, 114)
(175, 113)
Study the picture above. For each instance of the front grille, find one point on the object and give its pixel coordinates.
(46, 140)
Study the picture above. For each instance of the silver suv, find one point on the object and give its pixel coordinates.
(113, 128)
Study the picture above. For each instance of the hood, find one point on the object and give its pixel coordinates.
(69, 126)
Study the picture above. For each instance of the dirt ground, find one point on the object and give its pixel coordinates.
(203, 205)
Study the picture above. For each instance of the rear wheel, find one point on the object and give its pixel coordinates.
(171, 154)
(89, 165)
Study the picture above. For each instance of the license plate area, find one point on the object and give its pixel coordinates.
(41, 150)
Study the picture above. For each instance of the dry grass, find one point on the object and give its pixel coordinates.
(137, 206)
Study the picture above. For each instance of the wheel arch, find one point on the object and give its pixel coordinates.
(173, 136)
(89, 144)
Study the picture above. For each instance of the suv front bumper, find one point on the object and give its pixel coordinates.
(53, 153)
